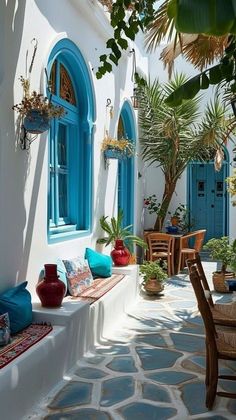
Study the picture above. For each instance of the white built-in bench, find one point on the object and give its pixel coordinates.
(77, 327)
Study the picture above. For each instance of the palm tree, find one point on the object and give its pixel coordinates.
(172, 137)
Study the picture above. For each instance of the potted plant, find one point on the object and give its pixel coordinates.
(153, 276)
(36, 110)
(117, 148)
(231, 186)
(221, 250)
(120, 237)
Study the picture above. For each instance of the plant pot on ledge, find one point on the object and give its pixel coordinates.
(220, 279)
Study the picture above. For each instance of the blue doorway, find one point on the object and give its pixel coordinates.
(208, 199)
(126, 129)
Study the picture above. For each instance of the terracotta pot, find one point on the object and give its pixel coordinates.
(153, 286)
(220, 281)
(51, 289)
(174, 221)
(120, 254)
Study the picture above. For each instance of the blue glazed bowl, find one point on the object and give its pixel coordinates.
(36, 122)
(172, 229)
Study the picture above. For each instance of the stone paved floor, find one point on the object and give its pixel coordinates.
(151, 368)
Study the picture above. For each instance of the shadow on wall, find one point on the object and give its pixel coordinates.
(13, 163)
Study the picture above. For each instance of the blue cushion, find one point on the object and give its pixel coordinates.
(99, 264)
(17, 302)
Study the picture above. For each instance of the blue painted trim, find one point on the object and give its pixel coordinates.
(69, 54)
(126, 169)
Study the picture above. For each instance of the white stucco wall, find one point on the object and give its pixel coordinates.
(24, 175)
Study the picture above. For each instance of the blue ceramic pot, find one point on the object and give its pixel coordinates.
(36, 122)
(172, 229)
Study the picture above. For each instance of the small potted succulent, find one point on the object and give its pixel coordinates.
(36, 110)
(223, 251)
(117, 148)
(154, 276)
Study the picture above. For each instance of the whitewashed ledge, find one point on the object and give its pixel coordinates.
(77, 327)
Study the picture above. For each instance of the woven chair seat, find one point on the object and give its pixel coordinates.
(226, 343)
(224, 314)
(160, 254)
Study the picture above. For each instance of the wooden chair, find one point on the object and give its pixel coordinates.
(185, 251)
(222, 313)
(219, 344)
(161, 246)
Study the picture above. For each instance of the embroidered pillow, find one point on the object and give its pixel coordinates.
(99, 264)
(17, 302)
(4, 329)
(78, 275)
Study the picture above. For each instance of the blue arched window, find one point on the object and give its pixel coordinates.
(70, 152)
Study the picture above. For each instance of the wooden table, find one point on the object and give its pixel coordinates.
(176, 237)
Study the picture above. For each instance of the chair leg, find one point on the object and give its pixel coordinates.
(179, 263)
(213, 380)
(207, 380)
(169, 271)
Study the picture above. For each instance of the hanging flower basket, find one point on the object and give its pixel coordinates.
(36, 121)
(115, 154)
(117, 148)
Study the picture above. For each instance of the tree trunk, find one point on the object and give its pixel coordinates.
(166, 199)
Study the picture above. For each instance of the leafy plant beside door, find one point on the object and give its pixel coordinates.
(173, 137)
(223, 251)
(114, 231)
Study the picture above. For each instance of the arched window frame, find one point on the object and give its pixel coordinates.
(79, 122)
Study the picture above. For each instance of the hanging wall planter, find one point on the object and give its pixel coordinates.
(115, 154)
(36, 122)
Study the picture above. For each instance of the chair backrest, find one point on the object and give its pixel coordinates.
(160, 242)
(203, 307)
(198, 264)
(198, 236)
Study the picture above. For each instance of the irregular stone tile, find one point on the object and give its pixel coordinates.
(85, 413)
(90, 373)
(215, 417)
(232, 406)
(94, 360)
(153, 339)
(171, 377)
(180, 293)
(157, 358)
(122, 364)
(192, 329)
(74, 393)
(187, 342)
(155, 393)
(195, 363)
(113, 349)
(144, 411)
(116, 390)
(182, 304)
(193, 396)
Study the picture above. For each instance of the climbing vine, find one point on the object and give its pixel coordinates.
(128, 17)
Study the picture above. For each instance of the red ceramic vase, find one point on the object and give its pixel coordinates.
(51, 289)
(120, 254)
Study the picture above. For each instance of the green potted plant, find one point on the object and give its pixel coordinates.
(153, 276)
(223, 251)
(120, 237)
(36, 110)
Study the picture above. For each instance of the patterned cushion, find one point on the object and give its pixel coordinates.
(78, 275)
(4, 329)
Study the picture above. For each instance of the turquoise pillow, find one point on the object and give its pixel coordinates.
(17, 302)
(99, 264)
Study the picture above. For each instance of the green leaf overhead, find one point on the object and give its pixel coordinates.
(211, 17)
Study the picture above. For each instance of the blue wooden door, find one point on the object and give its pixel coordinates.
(126, 129)
(208, 199)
